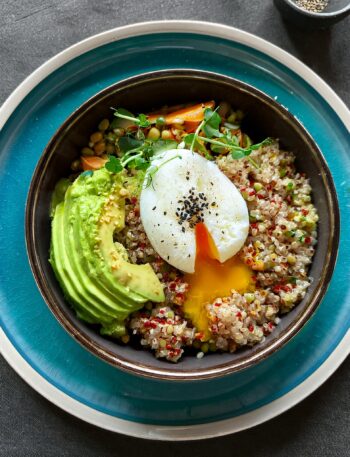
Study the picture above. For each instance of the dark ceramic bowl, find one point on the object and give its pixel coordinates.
(265, 117)
(334, 12)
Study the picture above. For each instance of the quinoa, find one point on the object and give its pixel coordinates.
(279, 250)
(163, 331)
(283, 222)
(140, 251)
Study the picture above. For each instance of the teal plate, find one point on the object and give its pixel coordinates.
(27, 324)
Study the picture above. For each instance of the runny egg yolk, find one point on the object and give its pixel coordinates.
(211, 280)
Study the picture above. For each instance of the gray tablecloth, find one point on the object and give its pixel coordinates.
(32, 31)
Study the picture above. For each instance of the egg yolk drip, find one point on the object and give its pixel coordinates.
(211, 280)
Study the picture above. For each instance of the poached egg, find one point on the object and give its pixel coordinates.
(197, 220)
(186, 190)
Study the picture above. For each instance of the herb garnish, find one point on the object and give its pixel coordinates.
(138, 152)
(141, 120)
(220, 141)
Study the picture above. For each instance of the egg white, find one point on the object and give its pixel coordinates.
(226, 217)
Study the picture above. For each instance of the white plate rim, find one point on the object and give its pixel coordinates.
(174, 433)
(191, 432)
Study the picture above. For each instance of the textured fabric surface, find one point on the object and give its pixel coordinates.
(33, 31)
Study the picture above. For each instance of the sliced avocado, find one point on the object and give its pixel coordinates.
(93, 271)
(63, 270)
(58, 194)
(137, 278)
(98, 218)
(102, 301)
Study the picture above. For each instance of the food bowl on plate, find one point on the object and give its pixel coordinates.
(148, 93)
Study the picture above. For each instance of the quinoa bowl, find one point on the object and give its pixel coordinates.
(259, 328)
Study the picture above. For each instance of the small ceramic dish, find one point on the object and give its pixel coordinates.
(264, 117)
(333, 12)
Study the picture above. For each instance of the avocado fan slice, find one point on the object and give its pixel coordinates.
(93, 271)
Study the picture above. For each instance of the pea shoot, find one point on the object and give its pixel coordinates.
(141, 120)
(221, 141)
(137, 149)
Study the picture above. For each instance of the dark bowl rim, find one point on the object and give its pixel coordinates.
(315, 15)
(148, 371)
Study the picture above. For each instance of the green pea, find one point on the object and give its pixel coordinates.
(196, 344)
(153, 134)
(205, 348)
(160, 121)
(232, 118)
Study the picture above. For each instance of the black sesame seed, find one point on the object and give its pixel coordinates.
(154, 208)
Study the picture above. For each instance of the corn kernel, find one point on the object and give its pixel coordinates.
(291, 259)
(259, 265)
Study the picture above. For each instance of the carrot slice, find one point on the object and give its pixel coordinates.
(92, 162)
(194, 113)
(191, 127)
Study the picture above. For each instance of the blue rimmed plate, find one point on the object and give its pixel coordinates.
(31, 339)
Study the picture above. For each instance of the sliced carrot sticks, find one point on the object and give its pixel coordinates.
(194, 113)
(92, 162)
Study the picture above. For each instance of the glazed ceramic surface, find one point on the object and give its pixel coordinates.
(31, 338)
(144, 93)
(335, 11)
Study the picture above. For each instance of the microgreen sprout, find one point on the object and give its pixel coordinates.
(137, 151)
(141, 120)
(210, 126)
(114, 164)
(154, 168)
